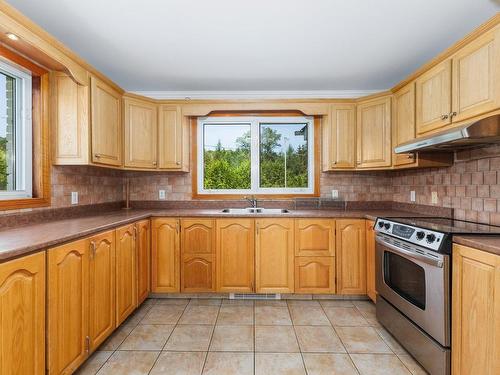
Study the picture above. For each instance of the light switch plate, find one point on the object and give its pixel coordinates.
(161, 194)
(434, 197)
(335, 194)
(74, 197)
(413, 196)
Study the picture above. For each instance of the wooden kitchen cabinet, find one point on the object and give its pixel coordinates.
(314, 237)
(101, 288)
(373, 133)
(165, 255)
(340, 141)
(140, 133)
(403, 122)
(173, 139)
(198, 255)
(351, 256)
(475, 312)
(315, 275)
(274, 256)
(106, 123)
(22, 311)
(370, 261)
(126, 287)
(143, 241)
(235, 240)
(68, 306)
(433, 95)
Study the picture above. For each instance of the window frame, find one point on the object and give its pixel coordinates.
(254, 120)
(23, 128)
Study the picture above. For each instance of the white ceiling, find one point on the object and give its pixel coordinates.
(183, 46)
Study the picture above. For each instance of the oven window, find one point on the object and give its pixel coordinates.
(405, 278)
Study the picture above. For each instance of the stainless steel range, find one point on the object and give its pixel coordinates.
(413, 280)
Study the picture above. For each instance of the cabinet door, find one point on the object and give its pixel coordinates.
(143, 260)
(22, 311)
(403, 122)
(433, 91)
(126, 292)
(198, 255)
(170, 137)
(165, 256)
(101, 287)
(370, 261)
(70, 120)
(351, 256)
(475, 312)
(374, 133)
(141, 126)
(235, 255)
(274, 258)
(106, 124)
(343, 136)
(314, 237)
(315, 275)
(68, 306)
(476, 77)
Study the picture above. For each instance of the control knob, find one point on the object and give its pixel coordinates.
(431, 238)
(387, 226)
(380, 224)
(420, 235)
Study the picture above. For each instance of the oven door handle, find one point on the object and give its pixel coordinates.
(409, 254)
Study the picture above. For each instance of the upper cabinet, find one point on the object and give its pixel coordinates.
(173, 139)
(373, 131)
(340, 137)
(106, 125)
(403, 122)
(140, 139)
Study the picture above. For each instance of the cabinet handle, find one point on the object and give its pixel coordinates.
(411, 156)
(178, 227)
(92, 249)
(178, 162)
(334, 163)
(97, 156)
(87, 344)
(155, 163)
(444, 117)
(453, 114)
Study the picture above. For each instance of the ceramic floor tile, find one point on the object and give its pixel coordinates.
(129, 363)
(237, 302)
(318, 339)
(379, 364)
(232, 339)
(329, 364)
(117, 337)
(190, 338)
(199, 315)
(163, 314)
(304, 303)
(308, 316)
(147, 337)
(362, 340)
(390, 341)
(205, 301)
(274, 303)
(411, 364)
(172, 301)
(365, 306)
(94, 363)
(275, 339)
(238, 315)
(279, 364)
(225, 363)
(336, 303)
(270, 315)
(345, 316)
(179, 363)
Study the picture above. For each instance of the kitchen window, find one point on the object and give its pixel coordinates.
(255, 155)
(15, 132)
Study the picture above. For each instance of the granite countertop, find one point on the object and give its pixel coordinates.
(24, 240)
(490, 244)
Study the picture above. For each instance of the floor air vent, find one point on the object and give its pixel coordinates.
(269, 296)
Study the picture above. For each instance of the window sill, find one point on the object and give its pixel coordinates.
(19, 204)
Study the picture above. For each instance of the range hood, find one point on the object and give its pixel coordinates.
(482, 132)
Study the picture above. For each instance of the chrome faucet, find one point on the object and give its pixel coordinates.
(252, 200)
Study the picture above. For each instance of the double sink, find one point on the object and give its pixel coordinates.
(255, 210)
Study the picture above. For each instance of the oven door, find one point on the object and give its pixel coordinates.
(416, 282)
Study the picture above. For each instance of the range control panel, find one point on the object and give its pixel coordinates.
(419, 236)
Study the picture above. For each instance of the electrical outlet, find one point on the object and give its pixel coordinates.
(161, 194)
(74, 197)
(335, 194)
(413, 196)
(434, 197)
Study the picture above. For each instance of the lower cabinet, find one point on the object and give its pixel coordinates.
(198, 255)
(475, 312)
(165, 255)
(22, 311)
(315, 275)
(351, 256)
(274, 256)
(370, 261)
(143, 241)
(235, 255)
(126, 287)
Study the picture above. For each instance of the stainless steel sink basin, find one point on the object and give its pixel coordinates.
(252, 210)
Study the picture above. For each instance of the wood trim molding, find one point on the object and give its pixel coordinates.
(317, 159)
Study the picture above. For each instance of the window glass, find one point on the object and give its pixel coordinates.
(7, 133)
